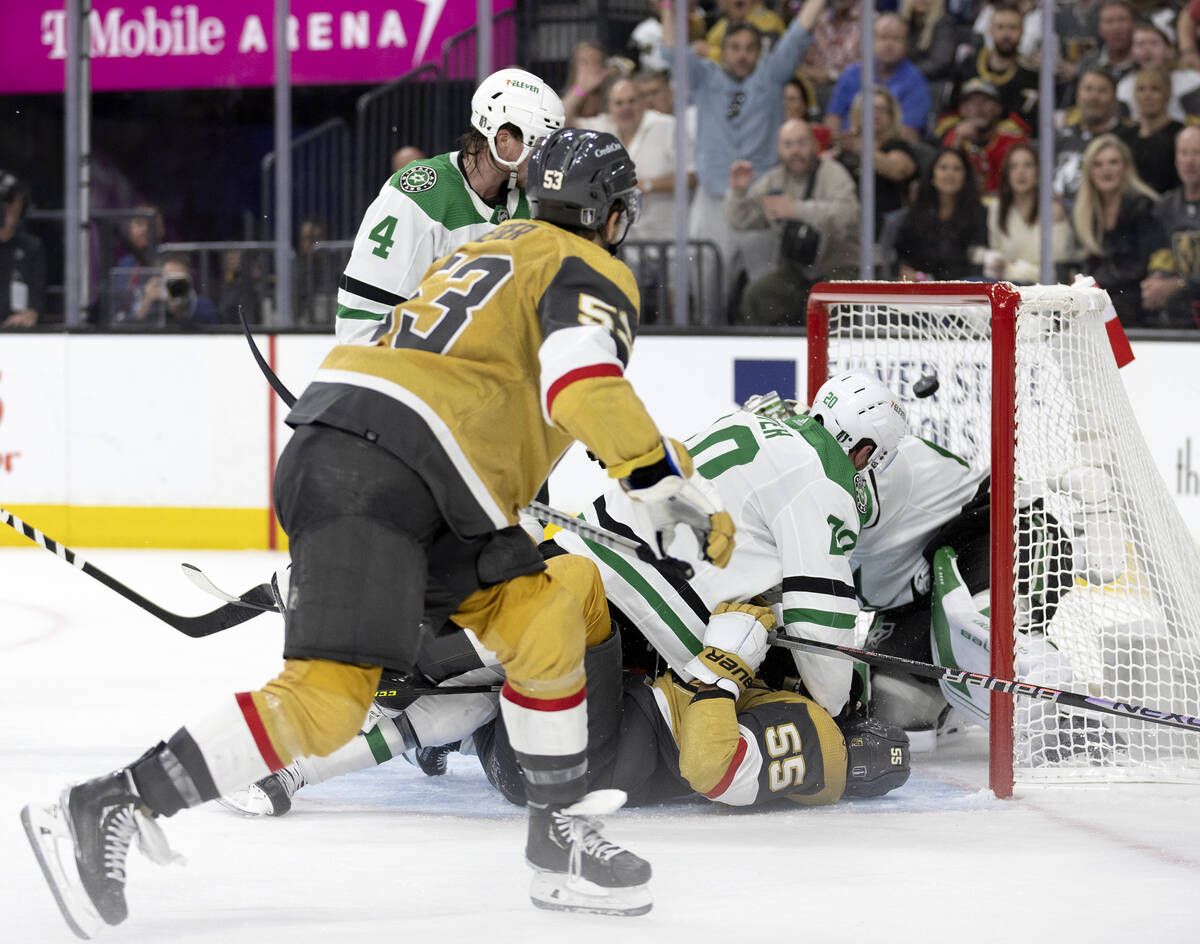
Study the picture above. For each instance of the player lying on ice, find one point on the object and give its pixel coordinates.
(797, 500)
(400, 492)
(725, 735)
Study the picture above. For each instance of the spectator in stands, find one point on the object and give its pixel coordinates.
(1114, 220)
(646, 45)
(946, 226)
(1077, 23)
(655, 89)
(739, 109)
(1015, 226)
(811, 208)
(983, 132)
(171, 298)
(736, 12)
(1173, 300)
(649, 137)
(1097, 97)
(1151, 47)
(589, 70)
(22, 260)
(404, 156)
(1185, 30)
(897, 161)
(837, 42)
(311, 307)
(932, 38)
(999, 63)
(1115, 55)
(1152, 139)
(242, 288)
(893, 69)
(128, 280)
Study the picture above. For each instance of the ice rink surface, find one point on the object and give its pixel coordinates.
(88, 682)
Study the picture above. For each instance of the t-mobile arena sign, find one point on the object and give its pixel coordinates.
(229, 43)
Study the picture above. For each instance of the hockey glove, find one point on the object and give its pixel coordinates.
(735, 643)
(671, 493)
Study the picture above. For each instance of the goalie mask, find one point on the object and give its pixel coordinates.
(877, 758)
(519, 98)
(855, 406)
(577, 178)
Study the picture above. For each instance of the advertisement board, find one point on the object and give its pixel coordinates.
(159, 44)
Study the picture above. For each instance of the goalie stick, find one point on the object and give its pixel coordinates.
(247, 606)
(990, 682)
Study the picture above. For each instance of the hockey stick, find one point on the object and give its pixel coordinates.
(252, 598)
(248, 606)
(272, 378)
(991, 683)
(606, 538)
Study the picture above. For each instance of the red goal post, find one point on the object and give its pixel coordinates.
(1029, 386)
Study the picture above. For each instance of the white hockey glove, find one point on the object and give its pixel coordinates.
(735, 643)
(671, 493)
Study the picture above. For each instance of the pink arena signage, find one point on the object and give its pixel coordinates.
(228, 43)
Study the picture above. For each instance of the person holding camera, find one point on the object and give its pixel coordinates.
(810, 207)
(171, 298)
(22, 260)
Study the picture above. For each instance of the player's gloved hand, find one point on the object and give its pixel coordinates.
(735, 643)
(671, 493)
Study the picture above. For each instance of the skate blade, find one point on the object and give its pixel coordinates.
(251, 802)
(50, 838)
(553, 891)
(597, 803)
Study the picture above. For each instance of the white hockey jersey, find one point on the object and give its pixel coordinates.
(424, 212)
(798, 506)
(924, 487)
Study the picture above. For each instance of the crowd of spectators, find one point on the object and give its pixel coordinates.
(777, 138)
(774, 160)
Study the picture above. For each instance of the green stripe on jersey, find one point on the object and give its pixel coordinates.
(379, 745)
(945, 452)
(631, 576)
(357, 314)
(819, 618)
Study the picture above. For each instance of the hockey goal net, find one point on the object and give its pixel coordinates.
(1088, 551)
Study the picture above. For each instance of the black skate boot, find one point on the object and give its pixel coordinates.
(271, 796)
(432, 760)
(95, 821)
(577, 869)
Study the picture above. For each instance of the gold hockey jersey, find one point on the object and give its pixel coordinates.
(514, 346)
(768, 745)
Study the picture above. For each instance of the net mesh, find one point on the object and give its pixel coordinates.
(1106, 577)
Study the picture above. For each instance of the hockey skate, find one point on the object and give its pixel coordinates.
(271, 796)
(81, 844)
(576, 868)
(432, 760)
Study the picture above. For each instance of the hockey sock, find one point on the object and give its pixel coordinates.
(200, 762)
(549, 738)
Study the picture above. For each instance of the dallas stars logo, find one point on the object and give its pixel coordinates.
(418, 178)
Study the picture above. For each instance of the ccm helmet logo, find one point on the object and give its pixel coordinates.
(605, 151)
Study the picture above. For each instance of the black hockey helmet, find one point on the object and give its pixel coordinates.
(877, 757)
(576, 178)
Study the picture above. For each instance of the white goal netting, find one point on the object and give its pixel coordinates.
(1104, 570)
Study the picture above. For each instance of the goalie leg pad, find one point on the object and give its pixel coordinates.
(960, 637)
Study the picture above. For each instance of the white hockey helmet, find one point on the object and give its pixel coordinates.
(520, 98)
(855, 406)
